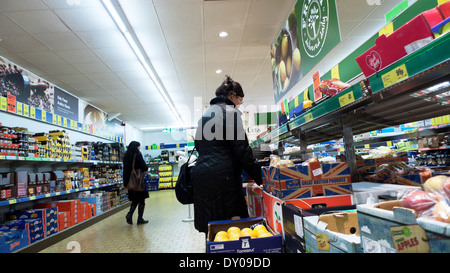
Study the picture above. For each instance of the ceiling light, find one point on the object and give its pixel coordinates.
(223, 34)
(218, 71)
(123, 25)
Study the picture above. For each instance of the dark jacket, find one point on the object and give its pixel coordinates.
(224, 152)
(139, 164)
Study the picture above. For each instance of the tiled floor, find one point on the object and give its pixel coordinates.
(165, 233)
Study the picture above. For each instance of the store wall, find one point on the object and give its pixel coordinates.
(158, 137)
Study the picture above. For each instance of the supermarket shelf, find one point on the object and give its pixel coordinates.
(54, 194)
(389, 104)
(59, 236)
(4, 158)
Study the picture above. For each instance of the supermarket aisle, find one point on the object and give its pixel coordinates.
(165, 232)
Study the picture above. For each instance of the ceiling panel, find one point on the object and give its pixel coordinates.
(76, 45)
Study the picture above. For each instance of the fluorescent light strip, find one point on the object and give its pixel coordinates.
(139, 54)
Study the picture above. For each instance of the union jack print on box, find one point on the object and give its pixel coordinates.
(307, 181)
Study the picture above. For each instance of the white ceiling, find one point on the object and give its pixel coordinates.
(75, 45)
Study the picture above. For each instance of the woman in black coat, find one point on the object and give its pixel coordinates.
(224, 152)
(137, 198)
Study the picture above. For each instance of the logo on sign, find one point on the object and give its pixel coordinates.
(314, 26)
(373, 60)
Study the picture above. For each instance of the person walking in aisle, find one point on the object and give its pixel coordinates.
(137, 198)
(224, 152)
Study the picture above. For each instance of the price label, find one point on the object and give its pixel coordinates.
(322, 241)
(54, 119)
(26, 110)
(335, 72)
(308, 117)
(346, 99)
(19, 108)
(410, 239)
(395, 75)
(3, 103)
(387, 30)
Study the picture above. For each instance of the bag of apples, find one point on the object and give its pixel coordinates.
(433, 201)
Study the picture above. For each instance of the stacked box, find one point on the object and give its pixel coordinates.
(48, 217)
(62, 220)
(68, 206)
(271, 244)
(12, 240)
(293, 224)
(370, 165)
(254, 201)
(311, 180)
(273, 206)
(332, 233)
(388, 227)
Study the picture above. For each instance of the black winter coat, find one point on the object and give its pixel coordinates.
(224, 152)
(139, 164)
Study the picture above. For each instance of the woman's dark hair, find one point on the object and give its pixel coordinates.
(229, 87)
(132, 149)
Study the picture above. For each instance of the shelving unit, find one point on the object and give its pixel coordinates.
(387, 104)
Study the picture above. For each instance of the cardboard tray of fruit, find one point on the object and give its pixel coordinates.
(417, 222)
(248, 235)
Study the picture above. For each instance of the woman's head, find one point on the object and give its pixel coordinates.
(134, 147)
(231, 90)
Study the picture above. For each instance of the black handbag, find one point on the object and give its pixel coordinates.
(184, 189)
(136, 182)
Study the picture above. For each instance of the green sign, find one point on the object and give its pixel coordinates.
(311, 31)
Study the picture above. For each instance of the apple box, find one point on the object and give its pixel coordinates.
(293, 224)
(387, 50)
(273, 206)
(389, 228)
(272, 244)
(332, 233)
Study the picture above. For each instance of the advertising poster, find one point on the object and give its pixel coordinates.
(65, 104)
(311, 31)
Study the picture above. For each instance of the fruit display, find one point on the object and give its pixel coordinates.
(332, 87)
(433, 201)
(234, 233)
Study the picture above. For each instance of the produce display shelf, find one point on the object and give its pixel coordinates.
(392, 105)
(42, 159)
(53, 194)
(430, 56)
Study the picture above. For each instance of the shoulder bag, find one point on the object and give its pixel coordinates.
(136, 182)
(184, 189)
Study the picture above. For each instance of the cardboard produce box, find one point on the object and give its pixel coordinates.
(370, 165)
(366, 192)
(311, 180)
(273, 206)
(332, 233)
(389, 228)
(255, 203)
(272, 244)
(293, 224)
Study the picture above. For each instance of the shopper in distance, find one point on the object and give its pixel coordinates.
(224, 152)
(133, 156)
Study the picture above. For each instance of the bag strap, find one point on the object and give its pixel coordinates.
(189, 158)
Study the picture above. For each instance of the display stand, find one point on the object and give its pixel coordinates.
(189, 218)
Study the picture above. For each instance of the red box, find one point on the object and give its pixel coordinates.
(433, 16)
(273, 210)
(445, 9)
(254, 201)
(389, 49)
